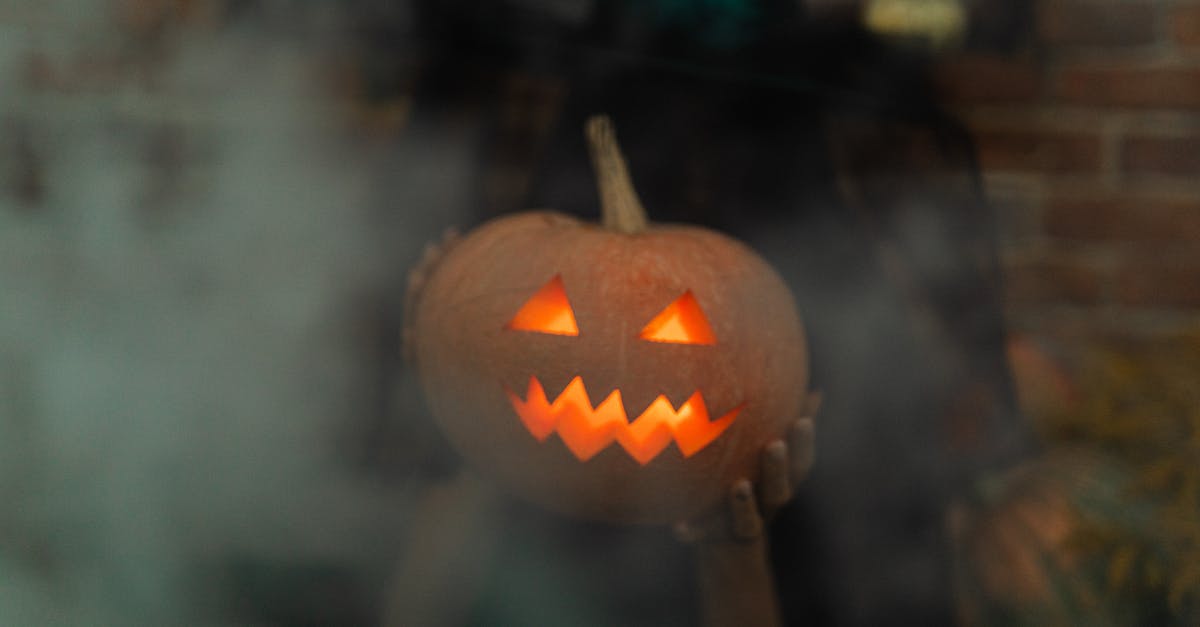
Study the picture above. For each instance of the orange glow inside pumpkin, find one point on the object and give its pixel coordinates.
(586, 429)
(682, 322)
(547, 311)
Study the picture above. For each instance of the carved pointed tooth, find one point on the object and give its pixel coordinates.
(612, 406)
(585, 433)
(535, 411)
(659, 411)
(645, 445)
(650, 433)
(575, 395)
(697, 431)
(535, 390)
(586, 430)
(695, 403)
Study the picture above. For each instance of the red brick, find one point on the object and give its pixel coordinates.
(1130, 86)
(1159, 283)
(1071, 22)
(1052, 280)
(1123, 218)
(1039, 152)
(1185, 26)
(1178, 156)
(988, 80)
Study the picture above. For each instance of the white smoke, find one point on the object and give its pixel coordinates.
(180, 359)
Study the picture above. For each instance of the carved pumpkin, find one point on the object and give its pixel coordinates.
(625, 372)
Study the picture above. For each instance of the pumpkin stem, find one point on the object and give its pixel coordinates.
(619, 204)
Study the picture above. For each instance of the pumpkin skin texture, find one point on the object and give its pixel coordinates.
(616, 283)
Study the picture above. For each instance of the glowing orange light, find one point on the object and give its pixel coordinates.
(547, 311)
(587, 430)
(681, 322)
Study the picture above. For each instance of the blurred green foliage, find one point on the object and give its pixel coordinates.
(1140, 404)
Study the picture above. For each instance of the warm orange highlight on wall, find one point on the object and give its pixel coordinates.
(547, 311)
(682, 322)
(587, 430)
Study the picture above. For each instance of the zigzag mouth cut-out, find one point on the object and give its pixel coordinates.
(587, 429)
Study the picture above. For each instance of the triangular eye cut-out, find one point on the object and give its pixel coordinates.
(547, 311)
(681, 322)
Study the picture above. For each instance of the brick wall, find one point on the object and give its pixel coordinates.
(1089, 138)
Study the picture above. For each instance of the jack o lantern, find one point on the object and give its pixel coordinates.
(625, 372)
